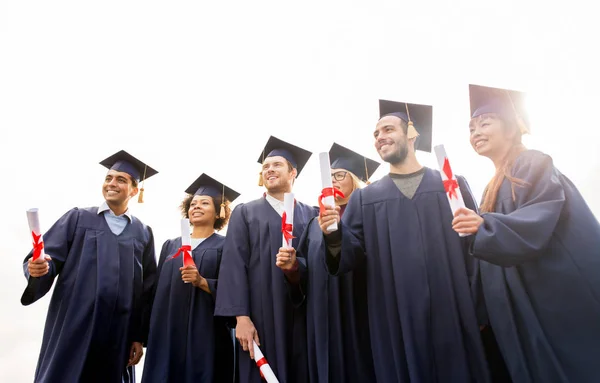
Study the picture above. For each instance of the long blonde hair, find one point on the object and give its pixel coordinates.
(490, 194)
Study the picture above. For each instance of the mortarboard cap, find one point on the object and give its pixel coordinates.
(125, 162)
(206, 185)
(418, 117)
(343, 158)
(504, 102)
(298, 157)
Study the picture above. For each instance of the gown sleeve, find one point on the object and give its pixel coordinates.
(523, 234)
(57, 244)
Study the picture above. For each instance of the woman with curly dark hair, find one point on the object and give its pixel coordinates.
(186, 342)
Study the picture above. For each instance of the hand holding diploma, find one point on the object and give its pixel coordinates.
(246, 334)
(466, 221)
(186, 250)
(450, 182)
(286, 258)
(38, 265)
(329, 216)
(328, 194)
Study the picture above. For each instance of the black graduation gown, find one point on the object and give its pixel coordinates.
(187, 343)
(250, 284)
(339, 348)
(422, 319)
(541, 281)
(102, 299)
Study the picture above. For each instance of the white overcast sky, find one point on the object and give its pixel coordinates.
(193, 86)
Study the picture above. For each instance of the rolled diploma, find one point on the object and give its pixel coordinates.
(455, 203)
(33, 219)
(265, 369)
(288, 208)
(186, 239)
(328, 201)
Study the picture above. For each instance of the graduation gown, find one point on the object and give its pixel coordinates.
(541, 281)
(339, 348)
(422, 318)
(250, 284)
(186, 342)
(102, 299)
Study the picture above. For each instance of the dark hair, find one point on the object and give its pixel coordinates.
(134, 182)
(490, 194)
(220, 222)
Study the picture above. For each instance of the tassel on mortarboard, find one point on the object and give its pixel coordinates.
(141, 196)
(520, 123)
(260, 177)
(366, 172)
(411, 131)
(222, 212)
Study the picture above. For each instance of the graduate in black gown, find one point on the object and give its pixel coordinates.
(251, 286)
(187, 343)
(422, 318)
(103, 261)
(339, 348)
(540, 249)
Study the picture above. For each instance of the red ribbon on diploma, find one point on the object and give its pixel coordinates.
(450, 185)
(328, 192)
(187, 257)
(38, 245)
(262, 361)
(286, 228)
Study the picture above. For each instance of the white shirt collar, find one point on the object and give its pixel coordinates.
(276, 204)
(104, 207)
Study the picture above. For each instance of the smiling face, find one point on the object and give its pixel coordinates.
(118, 188)
(391, 141)
(277, 174)
(490, 136)
(202, 211)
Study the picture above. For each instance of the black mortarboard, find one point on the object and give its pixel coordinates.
(504, 102)
(298, 157)
(419, 116)
(343, 158)
(206, 185)
(125, 162)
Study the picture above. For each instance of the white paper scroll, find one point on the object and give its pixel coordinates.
(328, 201)
(288, 209)
(34, 226)
(261, 362)
(186, 240)
(451, 186)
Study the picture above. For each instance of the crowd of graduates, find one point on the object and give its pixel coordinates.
(403, 290)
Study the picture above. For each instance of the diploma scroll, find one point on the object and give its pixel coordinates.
(450, 182)
(265, 370)
(328, 194)
(287, 220)
(33, 219)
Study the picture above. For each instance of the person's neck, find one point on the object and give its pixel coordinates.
(278, 195)
(408, 166)
(500, 158)
(117, 209)
(204, 231)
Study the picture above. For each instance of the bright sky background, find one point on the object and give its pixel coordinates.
(191, 87)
